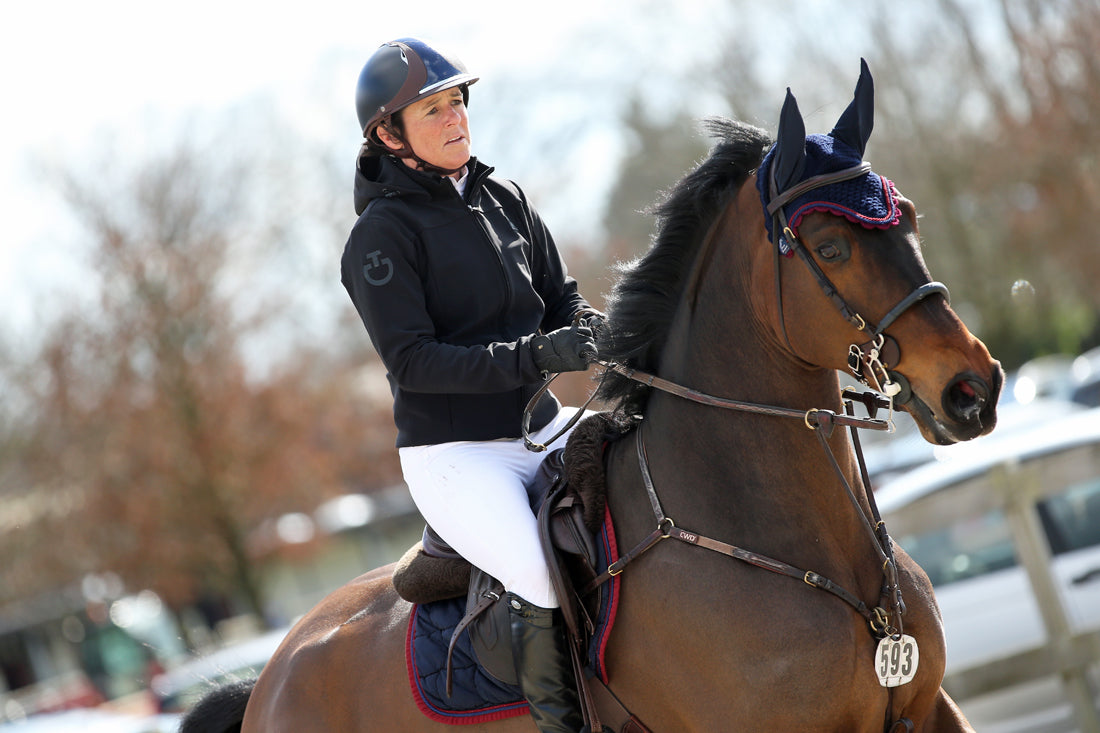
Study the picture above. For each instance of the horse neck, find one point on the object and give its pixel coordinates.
(721, 344)
(760, 481)
(780, 450)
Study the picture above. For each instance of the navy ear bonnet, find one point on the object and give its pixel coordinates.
(869, 200)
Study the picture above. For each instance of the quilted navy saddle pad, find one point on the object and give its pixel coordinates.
(477, 696)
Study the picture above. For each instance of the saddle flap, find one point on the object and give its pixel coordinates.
(568, 532)
(490, 629)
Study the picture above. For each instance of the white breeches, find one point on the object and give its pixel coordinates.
(473, 494)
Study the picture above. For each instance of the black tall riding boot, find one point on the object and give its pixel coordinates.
(544, 669)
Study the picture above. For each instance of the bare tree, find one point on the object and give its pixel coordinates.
(983, 118)
(154, 450)
(986, 115)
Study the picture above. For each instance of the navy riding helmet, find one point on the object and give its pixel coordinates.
(402, 72)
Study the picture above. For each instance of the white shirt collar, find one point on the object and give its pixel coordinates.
(460, 182)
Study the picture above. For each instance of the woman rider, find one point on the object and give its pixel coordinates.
(469, 305)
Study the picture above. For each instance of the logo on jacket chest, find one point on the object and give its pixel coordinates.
(378, 270)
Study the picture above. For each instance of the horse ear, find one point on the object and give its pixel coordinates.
(855, 125)
(790, 146)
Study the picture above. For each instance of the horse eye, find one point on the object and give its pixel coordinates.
(829, 251)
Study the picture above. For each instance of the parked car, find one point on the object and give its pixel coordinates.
(177, 690)
(905, 449)
(1044, 377)
(1086, 378)
(93, 721)
(963, 517)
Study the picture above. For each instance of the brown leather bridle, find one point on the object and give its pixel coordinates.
(870, 362)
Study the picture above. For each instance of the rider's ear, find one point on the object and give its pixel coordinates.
(855, 125)
(390, 140)
(790, 146)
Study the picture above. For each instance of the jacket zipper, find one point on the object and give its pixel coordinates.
(482, 221)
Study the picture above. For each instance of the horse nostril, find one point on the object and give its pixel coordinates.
(965, 399)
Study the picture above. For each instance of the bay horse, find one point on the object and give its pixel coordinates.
(729, 316)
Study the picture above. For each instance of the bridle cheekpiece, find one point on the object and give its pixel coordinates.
(801, 174)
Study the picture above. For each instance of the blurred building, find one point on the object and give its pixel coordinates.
(97, 641)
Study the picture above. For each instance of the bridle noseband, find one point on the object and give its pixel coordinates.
(870, 362)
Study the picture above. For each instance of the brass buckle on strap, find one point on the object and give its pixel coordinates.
(879, 620)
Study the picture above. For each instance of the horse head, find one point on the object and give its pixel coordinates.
(864, 301)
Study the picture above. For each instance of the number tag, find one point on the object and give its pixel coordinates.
(896, 660)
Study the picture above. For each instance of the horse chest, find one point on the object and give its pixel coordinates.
(725, 669)
(735, 640)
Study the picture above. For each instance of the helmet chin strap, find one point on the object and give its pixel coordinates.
(406, 153)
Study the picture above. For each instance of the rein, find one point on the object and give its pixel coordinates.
(813, 418)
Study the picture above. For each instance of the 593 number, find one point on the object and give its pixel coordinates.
(896, 660)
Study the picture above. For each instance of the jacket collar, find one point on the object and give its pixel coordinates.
(387, 177)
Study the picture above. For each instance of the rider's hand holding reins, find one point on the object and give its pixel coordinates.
(568, 349)
(593, 319)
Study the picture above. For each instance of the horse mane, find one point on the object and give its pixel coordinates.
(643, 301)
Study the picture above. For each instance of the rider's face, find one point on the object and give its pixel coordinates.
(438, 130)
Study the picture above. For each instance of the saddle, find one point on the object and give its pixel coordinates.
(569, 498)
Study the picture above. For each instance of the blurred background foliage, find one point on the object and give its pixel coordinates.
(209, 375)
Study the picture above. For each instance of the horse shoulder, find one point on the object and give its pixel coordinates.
(922, 617)
(930, 707)
(945, 716)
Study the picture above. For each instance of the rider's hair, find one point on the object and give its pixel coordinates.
(373, 145)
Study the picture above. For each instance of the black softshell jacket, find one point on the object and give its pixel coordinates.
(451, 292)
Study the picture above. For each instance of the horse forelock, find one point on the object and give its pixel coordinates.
(645, 298)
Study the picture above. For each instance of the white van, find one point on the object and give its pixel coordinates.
(1008, 529)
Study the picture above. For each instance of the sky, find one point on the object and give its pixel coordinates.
(74, 72)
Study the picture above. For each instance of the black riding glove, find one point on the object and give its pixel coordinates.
(569, 349)
(596, 321)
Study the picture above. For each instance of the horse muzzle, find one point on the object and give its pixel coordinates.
(967, 409)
